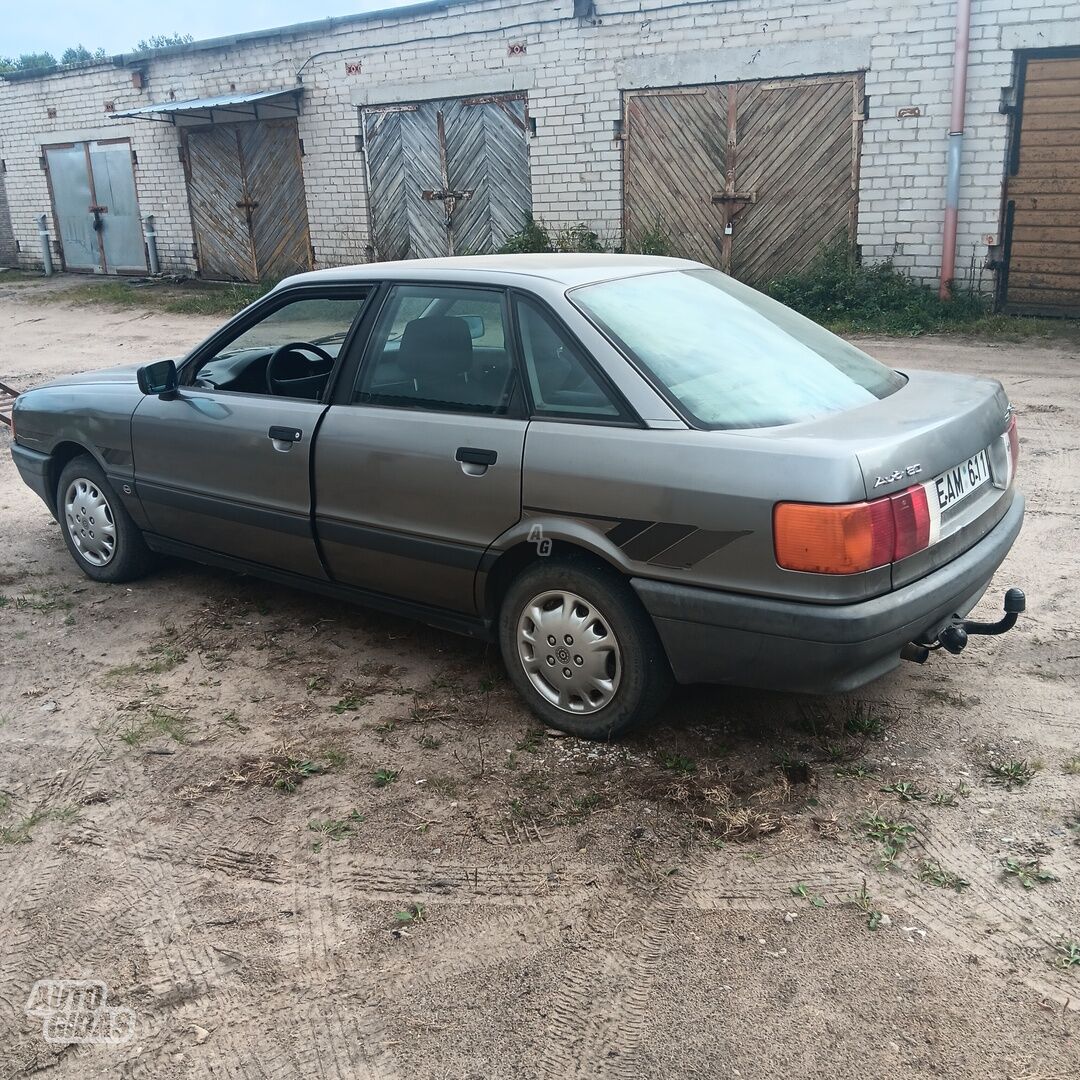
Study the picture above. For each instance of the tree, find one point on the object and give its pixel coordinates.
(163, 41)
(80, 54)
(28, 62)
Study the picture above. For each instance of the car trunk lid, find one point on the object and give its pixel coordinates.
(928, 429)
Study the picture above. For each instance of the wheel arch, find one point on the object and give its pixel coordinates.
(534, 540)
(63, 452)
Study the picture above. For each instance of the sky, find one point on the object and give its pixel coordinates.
(116, 25)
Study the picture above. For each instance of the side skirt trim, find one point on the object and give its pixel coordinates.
(456, 622)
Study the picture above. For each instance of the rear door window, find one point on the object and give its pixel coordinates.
(441, 348)
(559, 378)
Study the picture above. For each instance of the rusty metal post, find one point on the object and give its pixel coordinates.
(956, 146)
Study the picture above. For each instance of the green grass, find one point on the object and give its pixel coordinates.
(22, 831)
(677, 763)
(1068, 953)
(1028, 872)
(893, 836)
(157, 721)
(1071, 766)
(161, 657)
(852, 298)
(804, 893)
(383, 777)
(863, 721)
(906, 791)
(336, 828)
(183, 298)
(1011, 774)
(935, 874)
(407, 916)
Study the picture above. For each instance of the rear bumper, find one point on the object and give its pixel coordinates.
(33, 467)
(718, 637)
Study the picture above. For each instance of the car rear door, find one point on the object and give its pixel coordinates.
(418, 463)
(229, 470)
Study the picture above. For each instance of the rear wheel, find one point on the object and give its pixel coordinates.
(580, 649)
(103, 540)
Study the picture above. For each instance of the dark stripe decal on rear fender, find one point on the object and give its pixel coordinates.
(657, 538)
(697, 546)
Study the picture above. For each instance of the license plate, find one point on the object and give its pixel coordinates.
(956, 484)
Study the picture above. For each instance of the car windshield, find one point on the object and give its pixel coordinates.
(727, 355)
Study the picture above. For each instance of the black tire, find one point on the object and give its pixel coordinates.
(97, 514)
(633, 650)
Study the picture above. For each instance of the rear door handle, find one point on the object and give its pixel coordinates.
(285, 434)
(472, 455)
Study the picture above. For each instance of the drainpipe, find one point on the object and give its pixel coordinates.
(150, 233)
(956, 145)
(46, 250)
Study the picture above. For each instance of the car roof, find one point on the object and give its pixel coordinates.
(569, 269)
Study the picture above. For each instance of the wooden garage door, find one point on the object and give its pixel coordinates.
(752, 177)
(1043, 191)
(447, 177)
(248, 204)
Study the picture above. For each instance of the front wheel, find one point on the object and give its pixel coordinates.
(580, 648)
(103, 540)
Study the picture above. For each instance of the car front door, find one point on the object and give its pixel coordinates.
(418, 463)
(225, 464)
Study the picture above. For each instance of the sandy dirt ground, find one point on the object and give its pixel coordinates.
(300, 839)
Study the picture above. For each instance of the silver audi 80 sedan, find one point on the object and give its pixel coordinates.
(628, 470)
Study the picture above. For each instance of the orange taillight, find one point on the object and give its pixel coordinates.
(852, 537)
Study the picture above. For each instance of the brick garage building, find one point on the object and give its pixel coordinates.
(747, 131)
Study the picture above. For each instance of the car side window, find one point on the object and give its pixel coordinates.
(560, 382)
(291, 352)
(441, 348)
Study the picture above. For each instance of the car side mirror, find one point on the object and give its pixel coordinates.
(475, 324)
(159, 378)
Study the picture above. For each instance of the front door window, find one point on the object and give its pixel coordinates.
(289, 353)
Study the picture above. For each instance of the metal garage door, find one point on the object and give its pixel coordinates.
(753, 177)
(447, 177)
(1042, 231)
(248, 204)
(95, 207)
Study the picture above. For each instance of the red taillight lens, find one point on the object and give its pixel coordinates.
(1014, 446)
(851, 538)
(911, 517)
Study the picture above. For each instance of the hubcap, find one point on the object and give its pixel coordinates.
(569, 652)
(90, 521)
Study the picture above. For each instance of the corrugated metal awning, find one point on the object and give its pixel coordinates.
(259, 105)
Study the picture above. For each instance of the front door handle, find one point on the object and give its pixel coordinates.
(285, 434)
(472, 455)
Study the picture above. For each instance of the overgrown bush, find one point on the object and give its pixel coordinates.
(537, 237)
(844, 294)
(653, 241)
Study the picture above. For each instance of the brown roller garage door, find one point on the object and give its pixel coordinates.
(1043, 191)
(754, 177)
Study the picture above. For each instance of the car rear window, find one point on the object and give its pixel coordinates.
(728, 356)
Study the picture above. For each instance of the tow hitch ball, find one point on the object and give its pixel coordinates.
(955, 636)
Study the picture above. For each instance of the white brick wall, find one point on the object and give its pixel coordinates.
(573, 73)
